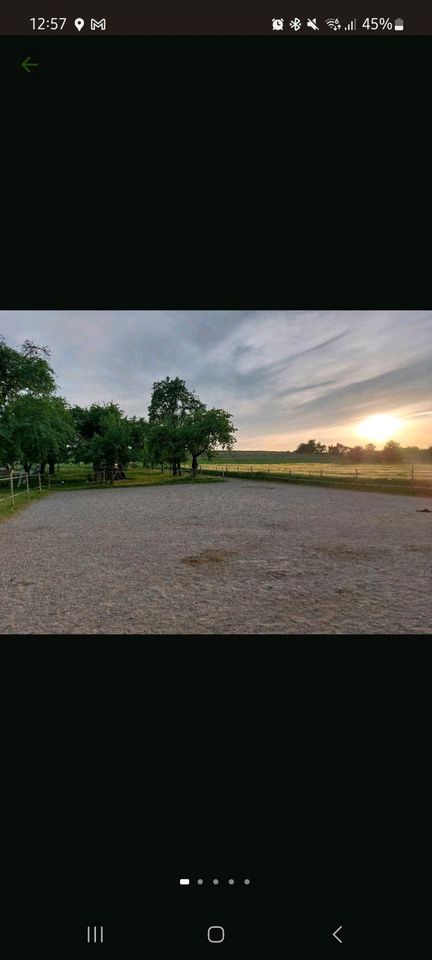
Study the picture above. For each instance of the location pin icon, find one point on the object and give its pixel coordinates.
(79, 23)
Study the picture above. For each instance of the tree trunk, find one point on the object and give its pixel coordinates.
(42, 467)
(179, 468)
(51, 461)
(174, 468)
(27, 467)
(194, 465)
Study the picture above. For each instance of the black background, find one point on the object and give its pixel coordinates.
(197, 174)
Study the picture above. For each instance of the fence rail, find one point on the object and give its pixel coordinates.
(325, 472)
(18, 478)
(411, 481)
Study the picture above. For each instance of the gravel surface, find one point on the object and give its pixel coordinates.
(239, 557)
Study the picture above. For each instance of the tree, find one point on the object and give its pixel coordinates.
(312, 446)
(203, 429)
(138, 438)
(338, 449)
(35, 429)
(355, 454)
(24, 371)
(179, 423)
(166, 444)
(170, 405)
(411, 454)
(392, 452)
(106, 436)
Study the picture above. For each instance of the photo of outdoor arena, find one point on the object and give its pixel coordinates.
(215, 472)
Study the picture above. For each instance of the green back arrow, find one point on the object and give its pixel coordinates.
(27, 64)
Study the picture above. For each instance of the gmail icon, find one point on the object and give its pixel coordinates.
(98, 24)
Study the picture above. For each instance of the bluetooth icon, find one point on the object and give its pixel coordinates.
(295, 24)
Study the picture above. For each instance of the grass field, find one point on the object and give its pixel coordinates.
(75, 477)
(400, 478)
(378, 471)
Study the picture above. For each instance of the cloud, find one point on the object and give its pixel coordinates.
(283, 374)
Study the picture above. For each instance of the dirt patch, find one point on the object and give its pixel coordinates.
(210, 556)
(343, 552)
(420, 547)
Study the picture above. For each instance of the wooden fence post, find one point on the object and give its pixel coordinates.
(412, 471)
(27, 482)
(12, 490)
(104, 476)
(40, 485)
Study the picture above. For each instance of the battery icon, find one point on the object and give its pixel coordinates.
(398, 24)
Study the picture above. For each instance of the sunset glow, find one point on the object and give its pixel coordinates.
(379, 428)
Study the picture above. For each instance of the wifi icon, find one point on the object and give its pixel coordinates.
(334, 24)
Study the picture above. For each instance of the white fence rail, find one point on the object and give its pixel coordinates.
(18, 478)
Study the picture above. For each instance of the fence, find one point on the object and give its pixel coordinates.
(18, 478)
(413, 481)
(326, 473)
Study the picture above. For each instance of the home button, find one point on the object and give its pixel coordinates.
(216, 934)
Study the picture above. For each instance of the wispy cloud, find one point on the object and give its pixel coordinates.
(285, 375)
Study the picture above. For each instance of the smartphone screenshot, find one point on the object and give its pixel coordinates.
(215, 479)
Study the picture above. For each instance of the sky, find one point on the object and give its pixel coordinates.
(285, 375)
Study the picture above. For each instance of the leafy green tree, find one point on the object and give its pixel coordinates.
(24, 371)
(171, 403)
(204, 430)
(106, 436)
(172, 398)
(166, 444)
(138, 438)
(34, 429)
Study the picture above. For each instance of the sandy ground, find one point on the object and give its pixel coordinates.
(239, 557)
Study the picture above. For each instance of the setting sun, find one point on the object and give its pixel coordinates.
(379, 428)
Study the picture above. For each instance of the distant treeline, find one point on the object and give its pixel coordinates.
(315, 452)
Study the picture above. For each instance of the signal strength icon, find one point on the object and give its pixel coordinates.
(352, 25)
